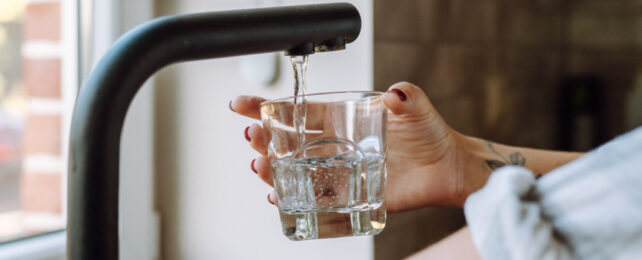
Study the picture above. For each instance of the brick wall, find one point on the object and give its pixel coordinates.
(41, 179)
(493, 69)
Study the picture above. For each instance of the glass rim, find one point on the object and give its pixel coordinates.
(377, 93)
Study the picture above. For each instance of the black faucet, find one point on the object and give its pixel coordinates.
(92, 226)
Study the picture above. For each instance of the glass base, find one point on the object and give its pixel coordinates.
(316, 225)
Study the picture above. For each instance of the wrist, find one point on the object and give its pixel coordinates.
(470, 170)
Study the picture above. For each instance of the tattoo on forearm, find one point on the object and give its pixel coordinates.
(494, 164)
(515, 158)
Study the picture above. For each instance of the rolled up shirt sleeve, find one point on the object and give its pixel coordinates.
(590, 208)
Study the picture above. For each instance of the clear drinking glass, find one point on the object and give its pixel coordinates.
(331, 182)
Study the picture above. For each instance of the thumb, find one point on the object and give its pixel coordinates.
(406, 99)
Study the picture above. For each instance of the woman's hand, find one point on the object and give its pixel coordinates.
(427, 160)
(429, 163)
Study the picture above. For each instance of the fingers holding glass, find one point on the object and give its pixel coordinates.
(255, 135)
(249, 106)
(261, 166)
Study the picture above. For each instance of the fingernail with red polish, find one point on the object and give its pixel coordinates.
(402, 96)
(247, 136)
(269, 200)
(252, 166)
(231, 106)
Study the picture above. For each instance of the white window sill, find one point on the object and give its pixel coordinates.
(44, 247)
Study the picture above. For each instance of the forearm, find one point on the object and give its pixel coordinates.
(480, 158)
(495, 155)
(477, 161)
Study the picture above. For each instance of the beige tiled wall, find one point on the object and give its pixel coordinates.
(493, 69)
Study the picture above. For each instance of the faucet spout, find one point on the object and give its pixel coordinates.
(101, 106)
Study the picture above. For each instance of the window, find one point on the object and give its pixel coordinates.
(34, 112)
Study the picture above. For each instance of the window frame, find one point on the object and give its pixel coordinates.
(52, 244)
(85, 37)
